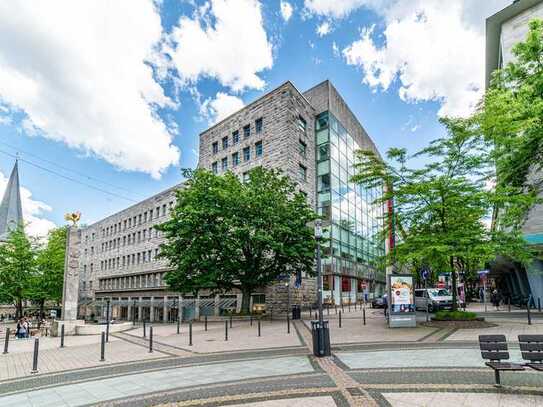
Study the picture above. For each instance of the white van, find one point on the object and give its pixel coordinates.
(436, 298)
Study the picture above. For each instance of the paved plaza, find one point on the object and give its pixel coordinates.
(371, 365)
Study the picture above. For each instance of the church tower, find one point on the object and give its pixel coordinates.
(11, 212)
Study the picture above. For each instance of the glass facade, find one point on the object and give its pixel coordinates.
(354, 221)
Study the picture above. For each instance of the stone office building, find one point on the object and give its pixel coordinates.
(312, 137)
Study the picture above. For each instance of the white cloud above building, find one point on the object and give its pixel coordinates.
(286, 10)
(221, 106)
(80, 74)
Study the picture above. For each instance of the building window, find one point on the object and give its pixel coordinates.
(246, 153)
(302, 173)
(235, 159)
(258, 149)
(302, 148)
(258, 125)
(235, 137)
(215, 147)
(301, 123)
(225, 143)
(214, 167)
(224, 164)
(246, 131)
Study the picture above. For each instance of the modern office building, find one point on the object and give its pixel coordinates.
(503, 30)
(311, 137)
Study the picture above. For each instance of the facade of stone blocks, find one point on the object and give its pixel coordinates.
(277, 130)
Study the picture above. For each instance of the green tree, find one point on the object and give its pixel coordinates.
(48, 280)
(511, 118)
(441, 207)
(17, 268)
(227, 234)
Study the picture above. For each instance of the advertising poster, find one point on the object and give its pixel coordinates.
(401, 290)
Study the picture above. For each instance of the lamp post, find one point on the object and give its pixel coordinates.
(321, 334)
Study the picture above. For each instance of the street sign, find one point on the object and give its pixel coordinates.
(425, 274)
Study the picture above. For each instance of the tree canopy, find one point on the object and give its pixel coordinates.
(225, 233)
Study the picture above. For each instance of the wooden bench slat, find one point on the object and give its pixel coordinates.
(495, 355)
(490, 346)
(530, 338)
(492, 338)
(531, 347)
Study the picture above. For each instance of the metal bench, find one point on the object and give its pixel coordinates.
(494, 348)
(531, 347)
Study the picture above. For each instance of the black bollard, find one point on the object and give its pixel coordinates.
(190, 333)
(349, 305)
(134, 313)
(509, 304)
(288, 325)
(364, 315)
(6, 343)
(355, 305)
(251, 319)
(151, 339)
(177, 326)
(35, 356)
(103, 348)
(108, 318)
(340, 318)
(62, 336)
(144, 334)
(205, 323)
(225, 330)
(259, 327)
(528, 313)
(539, 304)
(342, 309)
(230, 321)
(271, 316)
(335, 308)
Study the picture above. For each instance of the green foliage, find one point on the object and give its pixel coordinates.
(511, 118)
(49, 278)
(226, 234)
(17, 268)
(455, 316)
(440, 208)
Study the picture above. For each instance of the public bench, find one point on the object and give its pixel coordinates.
(531, 348)
(494, 348)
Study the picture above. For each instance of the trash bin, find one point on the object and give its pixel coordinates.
(321, 338)
(296, 312)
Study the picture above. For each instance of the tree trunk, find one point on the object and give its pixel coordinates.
(19, 308)
(245, 300)
(454, 286)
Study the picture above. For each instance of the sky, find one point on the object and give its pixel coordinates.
(103, 101)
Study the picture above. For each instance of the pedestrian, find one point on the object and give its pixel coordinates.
(481, 294)
(495, 298)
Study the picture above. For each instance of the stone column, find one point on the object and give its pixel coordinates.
(152, 310)
(216, 309)
(165, 309)
(197, 307)
(129, 313)
(140, 315)
(337, 290)
(70, 293)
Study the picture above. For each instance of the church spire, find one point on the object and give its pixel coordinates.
(11, 213)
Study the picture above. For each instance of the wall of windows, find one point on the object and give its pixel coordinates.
(354, 220)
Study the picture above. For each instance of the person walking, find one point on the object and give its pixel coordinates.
(496, 299)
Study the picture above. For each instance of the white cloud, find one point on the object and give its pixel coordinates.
(33, 211)
(220, 107)
(323, 29)
(434, 49)
(335, 49)
(339, 8)
(224, 40)
(79, 72)
(286, 10)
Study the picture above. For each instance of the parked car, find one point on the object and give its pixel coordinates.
(378, 302)
(436, 298)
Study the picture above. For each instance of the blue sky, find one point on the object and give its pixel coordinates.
(114, 96)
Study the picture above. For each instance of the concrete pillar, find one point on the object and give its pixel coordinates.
(152, 310)
(180, 307)
(337, 290)
(129, 313)
(354, 289)
(197, 307)
(239, 298)
(216, 309)
(165, 309)
(140, 315)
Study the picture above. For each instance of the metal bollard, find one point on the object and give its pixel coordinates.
(35, 356)
(62, 336)
(103, 348)
(190, 333)
(364, 315)
(144, 335)
(349, 305)
(6, 343)
(251, 319)
(539, 304)
(288, 325)
(509, 304)
(342, 307)
(355, 305)
(528, 313)
(271, 315)
(225, 330)
(230, 321)
(259, 327)
(177, 326)
(205, 323)
(340, 318)
(151, 339)
(335, 308)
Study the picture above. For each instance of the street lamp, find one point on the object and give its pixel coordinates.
(321, 334)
